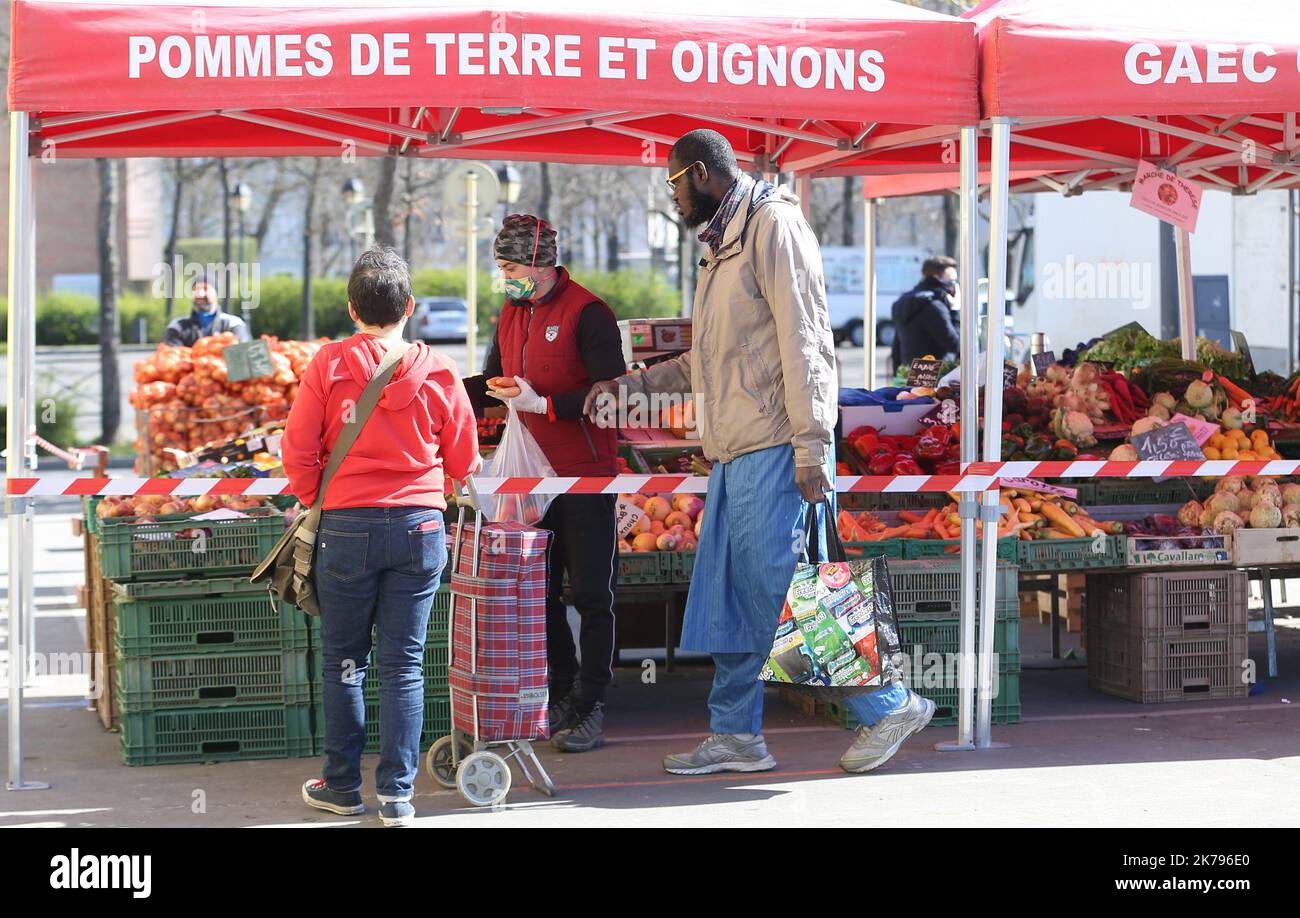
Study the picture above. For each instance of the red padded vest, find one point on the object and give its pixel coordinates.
(539, 341)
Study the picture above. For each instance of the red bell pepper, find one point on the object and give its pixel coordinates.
(881, 463)
(905, 466)
(928, 449)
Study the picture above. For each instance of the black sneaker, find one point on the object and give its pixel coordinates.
(400, 813)
(563, 714)
(317, 794)
(587, 734)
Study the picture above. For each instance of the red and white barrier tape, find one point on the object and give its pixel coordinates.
(979, 476)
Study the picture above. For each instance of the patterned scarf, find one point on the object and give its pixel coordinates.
(739, 191)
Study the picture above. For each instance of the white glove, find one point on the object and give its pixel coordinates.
(526, 400)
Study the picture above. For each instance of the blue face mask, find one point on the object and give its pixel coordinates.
(520, 288)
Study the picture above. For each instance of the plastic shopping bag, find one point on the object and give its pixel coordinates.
(517, 456)
(837, 632)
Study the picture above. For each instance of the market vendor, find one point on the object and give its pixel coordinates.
(554, 339)
(762, 366)
(206, 319)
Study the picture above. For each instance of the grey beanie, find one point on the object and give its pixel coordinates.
(522, 236)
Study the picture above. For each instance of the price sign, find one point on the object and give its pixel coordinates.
(1174, 441)
(1029, 484)
(626, 515)
(1201, 430)
(1239, 342)
(1043, 361)
(1009, 374)
(248, 361)
(924, 373)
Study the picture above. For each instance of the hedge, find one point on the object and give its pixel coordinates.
(68, 318)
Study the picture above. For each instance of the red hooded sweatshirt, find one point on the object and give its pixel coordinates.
(422, 430)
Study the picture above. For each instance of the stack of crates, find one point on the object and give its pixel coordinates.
(927, 601)
(208, 667)
(1164, 637)
(437, 699)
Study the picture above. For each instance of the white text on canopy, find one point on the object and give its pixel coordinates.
(610, 57)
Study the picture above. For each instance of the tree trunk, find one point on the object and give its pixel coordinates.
(408, 202)
(847, 210)
(169, 255)
(225, 231)
(951, 224)
(273, 197)
(110, 334)
(544, 201)
(384, 200)
(612, 246)
(308, 243)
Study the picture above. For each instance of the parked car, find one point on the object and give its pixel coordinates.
(440, 319)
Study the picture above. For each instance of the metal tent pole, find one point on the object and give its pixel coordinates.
(21, 419)
(1186, 299)
(1000, 196)
(967, 266)
(869, 292)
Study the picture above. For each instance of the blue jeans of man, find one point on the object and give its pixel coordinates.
(753, 517)
(377, 570)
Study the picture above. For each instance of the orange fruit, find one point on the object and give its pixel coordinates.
(1229, 452)
(1247, 454)
(1211, 453)
(1216, 441)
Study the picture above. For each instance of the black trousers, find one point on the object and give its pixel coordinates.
(585, 545)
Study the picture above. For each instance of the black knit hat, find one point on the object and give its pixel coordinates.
(526, 240)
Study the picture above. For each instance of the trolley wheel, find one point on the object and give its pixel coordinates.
(437, 762)
(483, 778)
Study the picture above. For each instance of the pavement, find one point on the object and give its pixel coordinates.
(1078, 758)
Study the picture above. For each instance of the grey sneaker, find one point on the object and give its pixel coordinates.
(317, 794)
(587, 734)
(876, 745)
(722, 752)
(398, 813)
(563, 714)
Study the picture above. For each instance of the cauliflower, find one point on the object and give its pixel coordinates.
(1222, 502)
(1074, 426)
(1230, 484)
(1227, 521)
(1265, 516)
(1190, 514)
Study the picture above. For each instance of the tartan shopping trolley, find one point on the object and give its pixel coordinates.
(497, 677)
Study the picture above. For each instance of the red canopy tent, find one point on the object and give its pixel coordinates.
(562, 81)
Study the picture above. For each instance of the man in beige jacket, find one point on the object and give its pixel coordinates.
(762, 371)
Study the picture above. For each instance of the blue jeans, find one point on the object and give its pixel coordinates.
(751, 516)
(376, 568)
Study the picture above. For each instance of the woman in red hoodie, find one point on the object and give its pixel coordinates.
(381, 546)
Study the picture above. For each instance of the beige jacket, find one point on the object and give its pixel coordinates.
(762, 362)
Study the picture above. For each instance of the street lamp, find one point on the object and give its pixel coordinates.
(511, 182)
(241, 198)
(360, 216)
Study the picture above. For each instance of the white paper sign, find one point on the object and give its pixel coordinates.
(626, 515)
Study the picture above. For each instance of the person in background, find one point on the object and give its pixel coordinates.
(554, 339)
(382, 545)
(206, 319)
(925, 318)
(762, 367)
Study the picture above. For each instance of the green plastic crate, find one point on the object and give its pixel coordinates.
(218, 622)
(437, 723)
(1073, 554)
(212, 680)
(920, 637)
(645, 567)
(187, 736)
(683, 565)
(154, 551)
(916, 549)
(184, 586)
(1132, 491)
(931, 588)
(890, 548)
